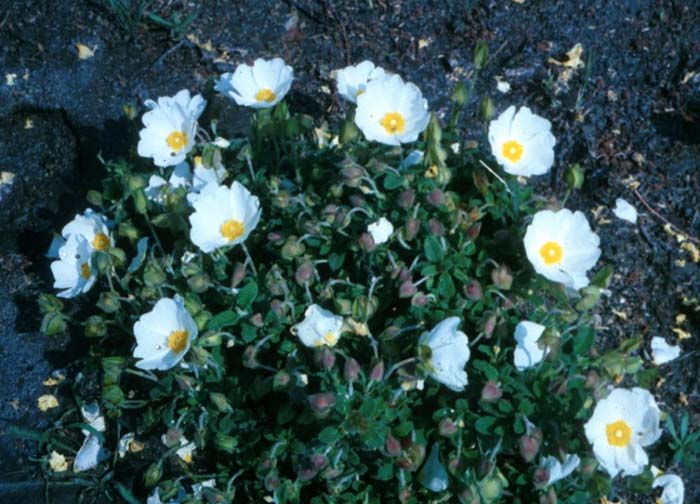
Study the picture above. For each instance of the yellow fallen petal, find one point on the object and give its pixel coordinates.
(681, 333)
(693, 250)
(54, 380)
(57, 462)
(680, 318)
(573, 58)
(47, 401)
(84, 52)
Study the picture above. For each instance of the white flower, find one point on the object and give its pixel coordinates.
(558, 471)
(319, 327)
(124, 444)
(391, 111)
(170, 128)
(662, 352)
(561, 246)
(625, 211)
(158, 186)
(381, 231)
(522, 143)
(93, 417)
(352, 80)
(72, 271)
(433, 475)
(93, 227)
(262, 85)
(527, 352)
(621, 426)
(673, 489)
(90, 454)
(186, 450)
(223, 216)
(198, 488)
(450, 353)
(202, 177)
(164, 335)
(502, 86)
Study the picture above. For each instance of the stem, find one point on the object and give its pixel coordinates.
(248, 259)
(398, 365)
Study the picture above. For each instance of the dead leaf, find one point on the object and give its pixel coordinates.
(620, 314)
(57, 462)
(680, 318)
(84, 52)
(47, 402)
(693, 250)
(573, 58)
(54, 380)
(681, 333)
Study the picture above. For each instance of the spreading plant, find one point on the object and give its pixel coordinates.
(366, 312)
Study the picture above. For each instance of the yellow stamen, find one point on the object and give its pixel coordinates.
(551, 253)
(393, 123)
(619, 433)
(330, 338)
(187, 458)
(177, 341)
(359, 92)
(266, 95)
(513, 151)
(232, 229)
(177, 140)
(101, 241)
(85, 271)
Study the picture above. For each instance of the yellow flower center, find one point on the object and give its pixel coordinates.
(187, 458)
(266, 95)
(513, 151)
(330, 338)
(177, 140)
(85, 271)
(100, 241)
(393, 123)
(551, 253)
(177, 341)
(359, 92)
(231, 229)
(619, 434)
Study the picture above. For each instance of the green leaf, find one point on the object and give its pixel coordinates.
(484, 424)
(385, 472)
(329, 435)
(335, 261)
(392, 181)
(247, 295)
(446, 287)
(583, 342)
(224, 319)
(126, 494)
(433, 249)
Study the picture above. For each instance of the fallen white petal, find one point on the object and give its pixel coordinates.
(662, 352)
(625, 211)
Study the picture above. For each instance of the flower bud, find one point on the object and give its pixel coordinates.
(540, 477)
(136, 182)
(153, 275)
(322, 402)
(292, 248)
(325, 358)
(436, 227)
(486, 108)
(352, 174)
(411, 229)
(457, 466)
(128, 230)
(407, 289)
(172, 437)
(473, 290)
(53, 323)
(225, 443)
(278, 307)
(272, 481)
(474, 231)
(351, 369)
(420, 300)
(348, 132)
(319, 461)
(469, 496)
(95, 327)
(95, 198)
(281, 381)
(574, 176)
(407, 198)
(153, 475)
(275, 238)
(257, 320)
(447, 427)
(481, 54)
(307, 474)
(491, 392)
(502, 278)
(367, 242)
(199, 283)
(392, 445)
(377, 372)
(250, 357)
(221, 402)
(459, 94)
(108, 302)
(436, 197)
(304, 273)
(358, 200)
(529, 444)
(592, 380)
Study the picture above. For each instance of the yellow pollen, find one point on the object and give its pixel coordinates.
(266, 95)
(330, 338)
(551, 253)
(359, 92)
(85, 271)
(198, 160)
(187, 458)
(513, 151)
(231, 229)
(619, 434)
(393, 123)
(177, 341)
(100, 241)
(177, 140)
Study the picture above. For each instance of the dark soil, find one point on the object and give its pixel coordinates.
(632, 114)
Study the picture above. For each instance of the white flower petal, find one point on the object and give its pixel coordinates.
(381, 230)
(319, 327)
(625, 211)
(673, 488)
(450, 353)
(662, 352)
(527, 352)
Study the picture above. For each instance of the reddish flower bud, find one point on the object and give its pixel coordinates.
(377, 372)
(436, 197)
(407, 289)
(351, 369)
(489, 326)
(304, 273)
(473, 290)
(529, 445)
(447, 427)
(404, 275)
(410, 230)
(275, 238)
(357, 200)
(257, 320)
(238, 274)
(420, 300)
(407, 198)
(491, 392)
(319, 461)
(322, 402)
(325, 358)
(436, 227)
(367, 242)
(541, 477)
(393, 446)
(474, 231)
